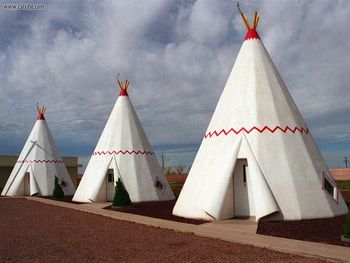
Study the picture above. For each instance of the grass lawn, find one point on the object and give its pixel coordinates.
(175, 185)
(343, 185)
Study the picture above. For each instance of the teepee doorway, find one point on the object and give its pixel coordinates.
(243, 204)
(26, 183)
(110, 185)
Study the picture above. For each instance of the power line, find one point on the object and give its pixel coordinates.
(346, 161)
(163, 157)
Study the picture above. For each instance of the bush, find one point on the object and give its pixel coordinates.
(346, 226)
(343, 185)
(57, 191)
(121, 196)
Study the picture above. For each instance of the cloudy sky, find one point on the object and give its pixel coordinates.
(177, 56)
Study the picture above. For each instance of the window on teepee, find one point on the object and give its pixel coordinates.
(329, 186)
(64, 184)
(245, 174)
(110, 176)
(159, 185)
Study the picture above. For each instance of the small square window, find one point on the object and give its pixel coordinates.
(64, 184)
(329, 186)
(110, 176)
(159, 185)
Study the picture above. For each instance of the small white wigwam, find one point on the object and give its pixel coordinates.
(38, 165)
(257, 158)
(123, 151)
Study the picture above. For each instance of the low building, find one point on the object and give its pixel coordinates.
(176, 178)
(7, 162)
(340, 174)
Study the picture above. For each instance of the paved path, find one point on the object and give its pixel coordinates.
(237, 231)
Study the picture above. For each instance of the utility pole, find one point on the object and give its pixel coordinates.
(163, 157)
(346, 161)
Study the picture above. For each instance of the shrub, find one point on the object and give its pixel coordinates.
(121, 196)
(346, 226)
(57, 191)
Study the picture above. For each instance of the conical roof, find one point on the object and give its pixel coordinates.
(124, 147)
(40, 160)
(123, 129)
(257, 120)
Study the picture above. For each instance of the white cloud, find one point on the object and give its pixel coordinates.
(207, 23)
(177, 54)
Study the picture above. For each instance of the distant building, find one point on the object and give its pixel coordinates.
(7, 162)
(176, 178)
(340, 174)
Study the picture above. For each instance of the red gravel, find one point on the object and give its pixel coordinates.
(327, 230)
(346, 195)
(162, 210)
(36, 232)
(66, 199)
(307, 230)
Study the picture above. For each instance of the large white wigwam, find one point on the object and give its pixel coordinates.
(123, 151)
(38, 165)
(258, 158)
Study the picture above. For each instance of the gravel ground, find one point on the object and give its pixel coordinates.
(307, 230)
(346, 195)
(162, 210)
(36, 232)
(326, 230)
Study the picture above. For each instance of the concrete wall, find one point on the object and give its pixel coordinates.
(7, 162)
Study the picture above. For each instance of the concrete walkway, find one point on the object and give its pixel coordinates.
(236, 231)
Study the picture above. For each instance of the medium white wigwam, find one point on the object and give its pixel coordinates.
(38, 165)
(257, 158)
(123, 151)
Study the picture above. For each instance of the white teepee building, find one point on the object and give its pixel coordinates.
(123, 151)
(38, 164)
(257, 158)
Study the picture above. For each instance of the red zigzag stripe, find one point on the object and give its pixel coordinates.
(123, 152)
(39, 161)
(266, 128)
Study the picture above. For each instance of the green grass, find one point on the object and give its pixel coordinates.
(343, 185)
(176, 185)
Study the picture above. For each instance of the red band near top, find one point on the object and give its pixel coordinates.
(41, 116)
(123, 92)
(252, 34)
